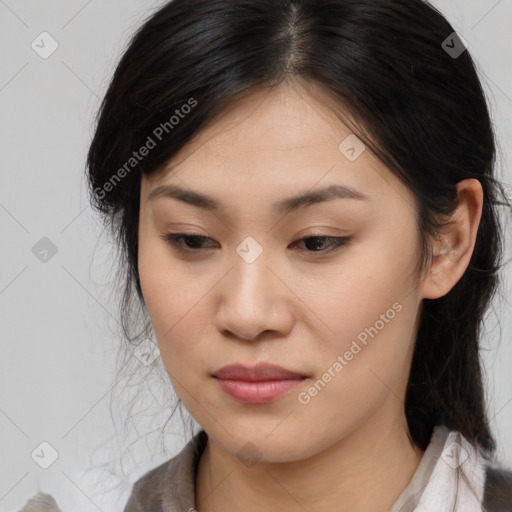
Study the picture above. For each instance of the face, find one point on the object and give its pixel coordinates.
(324, 288)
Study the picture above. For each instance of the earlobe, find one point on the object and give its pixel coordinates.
(453, 250)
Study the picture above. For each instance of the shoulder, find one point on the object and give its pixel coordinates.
(498, 490)
(147, 490)
(169, 486)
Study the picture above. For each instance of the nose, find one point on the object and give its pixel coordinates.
(254, 300)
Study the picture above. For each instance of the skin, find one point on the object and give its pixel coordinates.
(347, 449)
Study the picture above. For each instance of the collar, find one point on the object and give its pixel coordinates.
(431, 478)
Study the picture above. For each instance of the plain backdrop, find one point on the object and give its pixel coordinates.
(58, 347)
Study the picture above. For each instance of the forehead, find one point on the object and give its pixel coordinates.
(272, 143)
(285, 118)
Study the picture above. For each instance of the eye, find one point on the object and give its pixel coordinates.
(176, 240)
(185, 242)
(318, 241)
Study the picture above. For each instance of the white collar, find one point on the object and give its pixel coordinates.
(449, 478)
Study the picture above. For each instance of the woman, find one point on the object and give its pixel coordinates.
(305, 198)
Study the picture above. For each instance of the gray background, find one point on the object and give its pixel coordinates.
(58, 318)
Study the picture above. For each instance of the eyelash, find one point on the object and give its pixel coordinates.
(175, 239)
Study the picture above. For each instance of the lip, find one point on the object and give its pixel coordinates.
(260, 372)
(258, 384)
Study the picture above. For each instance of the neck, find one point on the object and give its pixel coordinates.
(366, 470)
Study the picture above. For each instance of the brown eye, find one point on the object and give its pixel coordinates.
(316, 242)
(185, 242)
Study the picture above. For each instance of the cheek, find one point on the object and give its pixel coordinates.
(367, 291)
(366, 363)
(167, 292)
(372, 309)
(177, 306)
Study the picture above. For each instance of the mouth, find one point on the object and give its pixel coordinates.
(259, 384)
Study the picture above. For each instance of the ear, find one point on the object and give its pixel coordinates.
(453, 251)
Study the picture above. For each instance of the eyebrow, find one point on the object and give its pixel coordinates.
(287, 205)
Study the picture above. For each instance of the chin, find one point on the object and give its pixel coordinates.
(252, 445)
